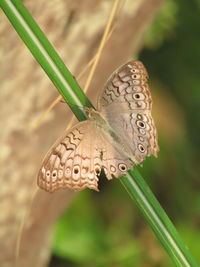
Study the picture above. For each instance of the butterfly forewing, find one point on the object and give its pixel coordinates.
(126, 104)
(127, 86)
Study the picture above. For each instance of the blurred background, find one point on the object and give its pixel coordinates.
(106, 228)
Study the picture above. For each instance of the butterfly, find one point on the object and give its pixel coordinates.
(118, 135)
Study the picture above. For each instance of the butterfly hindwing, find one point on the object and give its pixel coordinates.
(76, 160)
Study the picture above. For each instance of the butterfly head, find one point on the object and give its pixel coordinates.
(91, 113)
(88, 111)
(94, 115)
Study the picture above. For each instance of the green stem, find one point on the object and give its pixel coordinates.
(52, 64)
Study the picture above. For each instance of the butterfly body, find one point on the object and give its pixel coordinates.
(120, 134)
(110, 133)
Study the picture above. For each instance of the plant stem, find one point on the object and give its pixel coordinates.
(52, 64)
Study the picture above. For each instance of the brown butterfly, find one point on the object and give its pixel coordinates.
(114, 138)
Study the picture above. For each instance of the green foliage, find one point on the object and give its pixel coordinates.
(191, 234)
(163, 26)
(86, 238)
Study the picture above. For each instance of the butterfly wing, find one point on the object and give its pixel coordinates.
(126, 104)
(75, 161)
